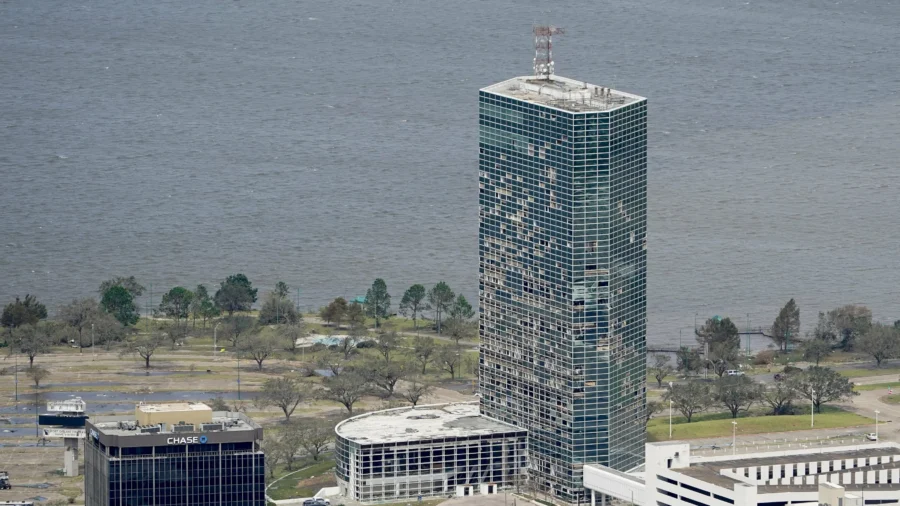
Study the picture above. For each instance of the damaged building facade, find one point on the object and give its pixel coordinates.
(563, 273)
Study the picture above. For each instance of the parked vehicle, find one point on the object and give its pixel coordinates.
(4, 481)
(321, 501)
(734, 372)
(872, 436)
(309, 502)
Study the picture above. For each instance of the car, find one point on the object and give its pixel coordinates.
(872, 436)
(734, 372)
(309, 502)
(321, 501)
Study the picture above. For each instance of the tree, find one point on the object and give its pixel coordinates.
(260, 347)
(355, 316)
(661, 368)
(688, 398)
(314, 435)
(130, 284)
(79, 314)
(736, 393)
(145, 345)
(821, 385)
(218, 403)
(780, 396)
(386, 343)
(689, 361)
(787, 325)
(333, 313)
(278, 310)
(720, 337)
(237, 326)
(880, 341)
(416, 391)
(423, 350)
(203, 306)
(385, 375)
(331, 362)
(176, 304)
(439, 298)
(107, 330)
(290, 334)
(346, 389)
(815, 350)
(119, 302)
(32, 340)
(286, 393)
(461, 309)
(281, 290)
(850, 322)
(236, 293)
(448, 358)
(37, 374)
(413, 304)
(286, 447)
(22, 312)
(378, 302)
(653, 407)
(459, 329)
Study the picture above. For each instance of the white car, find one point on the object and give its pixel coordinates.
(734, 372)
(872, 436)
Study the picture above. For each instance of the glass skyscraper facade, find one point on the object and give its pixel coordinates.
(563, 273)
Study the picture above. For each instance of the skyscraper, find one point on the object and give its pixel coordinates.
(562, 249)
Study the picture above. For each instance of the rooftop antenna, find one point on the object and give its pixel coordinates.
(543, 49)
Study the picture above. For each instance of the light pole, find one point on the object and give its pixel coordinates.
(238, 353)
(670, 410)
(812, 408)
(876, 425)
(215, 339)
(733, 437)
(748, 334)
(93, 351)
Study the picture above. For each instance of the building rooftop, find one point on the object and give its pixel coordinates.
(562, 93)
(222, 421)
(175, 407)
(421, 423)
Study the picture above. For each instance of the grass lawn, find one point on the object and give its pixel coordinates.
(719, 424)
(305, 483)
(891, 399)
(876, 386)
(864, 372)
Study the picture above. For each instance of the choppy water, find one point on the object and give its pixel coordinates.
(327, 143)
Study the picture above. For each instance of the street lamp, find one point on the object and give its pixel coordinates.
(733, 437)
(670, 410)
(812, 407)
(93, 351)
(876, 425)
(215, 339)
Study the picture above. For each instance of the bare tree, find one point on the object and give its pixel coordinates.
(386, 343)
(779, 397)
(260, 347)
(346, 389)
(423, 349)
(236, 327)
(286, 393)
(347, 344)
(79, 314)
(880, 341)
(37, 374)
(290, 334)
(314, 435)
(385, 375)
(33, 339)
(145, 345)
(661, 368)
(448, 358)
(689, 398)
(416, 391)
(331, 361)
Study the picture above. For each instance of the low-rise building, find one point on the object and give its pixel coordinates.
(671, 476)
(174, 455)
(437, 450)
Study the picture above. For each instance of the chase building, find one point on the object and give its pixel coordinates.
(174, 455)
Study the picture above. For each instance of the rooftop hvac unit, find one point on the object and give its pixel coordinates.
(150, 429)
(183, 428)
(206, 427)
(128, 425)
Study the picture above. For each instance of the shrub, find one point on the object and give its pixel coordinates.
(764, 357)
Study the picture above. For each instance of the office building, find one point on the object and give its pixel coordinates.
(563, 273)
(813, 476)
(174, 455)
(426, 451)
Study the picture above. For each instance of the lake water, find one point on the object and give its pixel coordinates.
(329, 143)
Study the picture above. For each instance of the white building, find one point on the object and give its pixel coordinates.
(436, 450)
(838, 476)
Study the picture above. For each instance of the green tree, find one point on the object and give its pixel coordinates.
(22, 312)
(378, 302)
(334, 312)
(736, 393)
(461, 309)
(176, 304)
(79, 314)
(201, 297)
(786, 325)
(413, 304)
(689, 361)
(880, 341)
(689, 398)
(236, 293)
(780, 396)
(355, 316)
(130, 283)
(815, 350)
(282, 289)
(652, 408)
(821, 385)
(850, 322)
(119, 302)
(278, 310)
(440, 298)
(661, 368)
(720, 337)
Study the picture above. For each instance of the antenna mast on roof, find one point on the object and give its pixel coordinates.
(543, 49)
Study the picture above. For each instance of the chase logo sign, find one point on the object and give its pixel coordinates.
(191, 440)
(94, 434)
